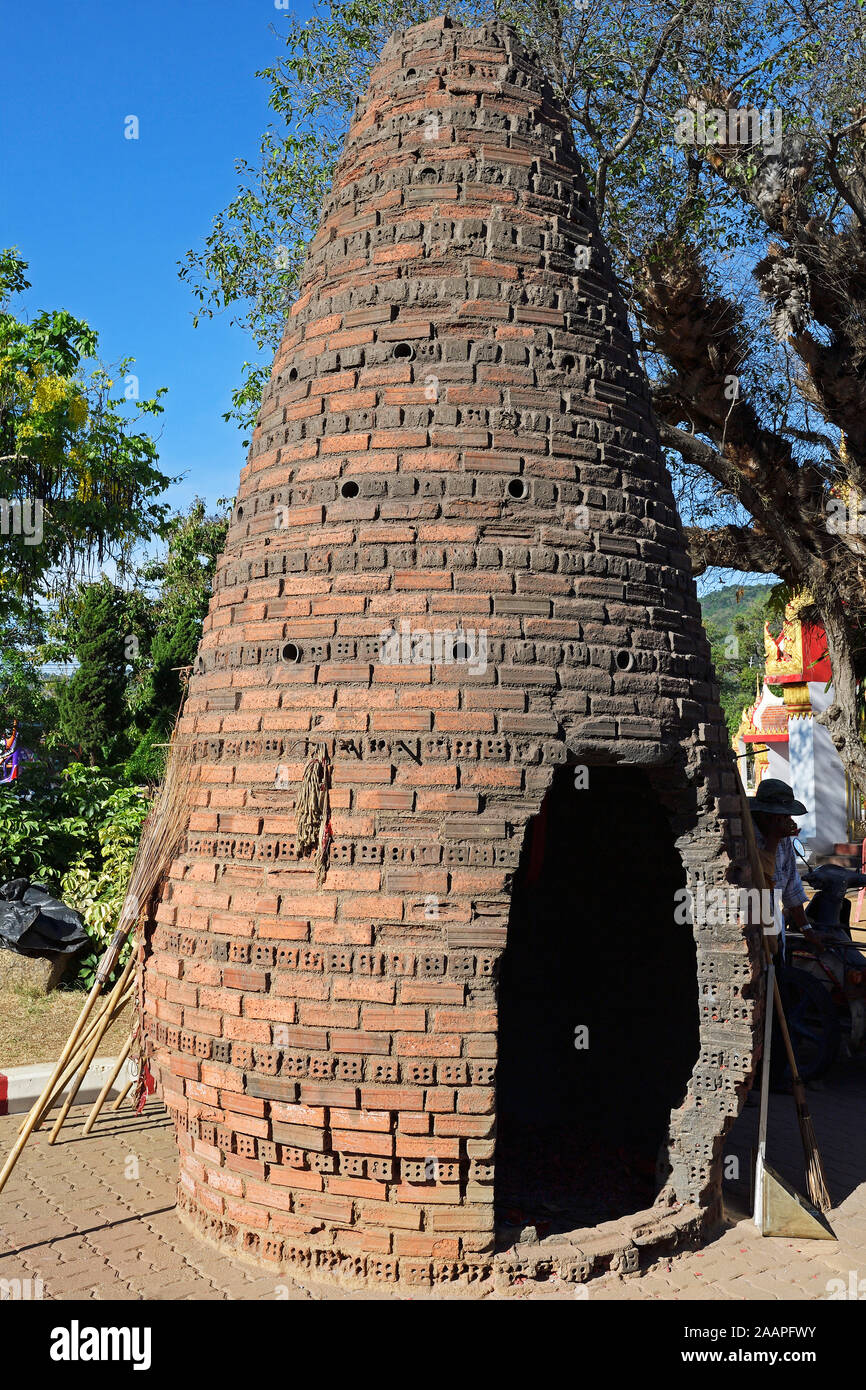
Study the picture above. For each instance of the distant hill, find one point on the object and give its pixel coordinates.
(736, 633)
(721, 606)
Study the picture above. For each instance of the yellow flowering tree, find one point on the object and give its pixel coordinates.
(79, 482)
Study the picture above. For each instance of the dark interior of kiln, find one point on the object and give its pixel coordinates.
(592, 943)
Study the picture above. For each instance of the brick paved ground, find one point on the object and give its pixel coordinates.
(94, 1218)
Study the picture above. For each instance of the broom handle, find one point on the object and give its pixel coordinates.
(75, 1060)
(48, 1088)
(100, 1099)
(116, 992)
(76, 1075)
(765, 1081)
(783, 1024)
(81, 1045)
(123, 1094)
(765, 1099)
(776, 992)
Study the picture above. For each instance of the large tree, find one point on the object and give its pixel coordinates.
(79, 482)
(179, 585)
(91, 702)
(739, 238)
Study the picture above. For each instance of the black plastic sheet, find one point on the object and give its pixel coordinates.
(32, 923)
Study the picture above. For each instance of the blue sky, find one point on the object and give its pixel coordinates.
(104, 220)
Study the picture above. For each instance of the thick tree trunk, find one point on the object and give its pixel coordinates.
(841, 718)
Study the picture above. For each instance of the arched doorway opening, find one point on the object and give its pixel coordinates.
(598, 1006)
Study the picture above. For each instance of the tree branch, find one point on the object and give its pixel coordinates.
(733, 547)
(607, 158)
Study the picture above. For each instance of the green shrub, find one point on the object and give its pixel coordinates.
(26, 840)
(95, 884)
(78, 834)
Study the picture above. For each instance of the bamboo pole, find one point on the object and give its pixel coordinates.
(100, 1099)
(74, 1064)
(124, 1093)
(100, 1032)
(76, 1058)
(162, 832)
(106, 1016)
(106, 965)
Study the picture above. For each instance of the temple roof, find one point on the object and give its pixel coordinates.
(799, 653)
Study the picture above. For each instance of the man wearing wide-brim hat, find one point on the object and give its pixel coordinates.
(773, 809)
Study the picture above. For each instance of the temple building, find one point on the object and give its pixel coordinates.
(780, 737)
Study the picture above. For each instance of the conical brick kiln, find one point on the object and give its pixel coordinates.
(486, 1038)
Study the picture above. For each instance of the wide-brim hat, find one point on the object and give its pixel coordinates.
(775, 798)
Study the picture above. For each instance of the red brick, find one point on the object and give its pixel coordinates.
(325, 1207)
(380, 1044)
(362, 1142)
(355, 1187)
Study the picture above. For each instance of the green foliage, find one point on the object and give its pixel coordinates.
(724, 605)
(172, 648)
(95, 883)
(46, 822)
(25, 694)
(68, 445)
(183, 582)
(26, 839)
(146, 763)
(78, 835)
(735, 628)
(91, 703)
(76, 829)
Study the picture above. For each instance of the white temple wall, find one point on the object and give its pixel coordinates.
(778, 763)
(830, 797)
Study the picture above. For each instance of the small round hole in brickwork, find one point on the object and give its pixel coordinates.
(199, 666)
(293, 374)
(517, 488)
(403, 351)
(461, 651)
(291, 652)
(427, 175)
(239, 514)
(349, 488)
(411, 72)
(624, 660)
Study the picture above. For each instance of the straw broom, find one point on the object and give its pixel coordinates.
(161, 835)
(816, 1179)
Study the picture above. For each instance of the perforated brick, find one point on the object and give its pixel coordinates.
(455, 561)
